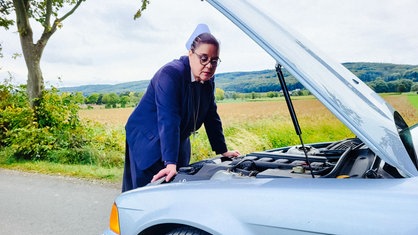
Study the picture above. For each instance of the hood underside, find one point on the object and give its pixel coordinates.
(363, 111)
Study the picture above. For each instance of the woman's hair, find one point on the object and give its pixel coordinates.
(204, 38)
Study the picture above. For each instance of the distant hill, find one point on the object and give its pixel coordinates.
(137, 86)
(265, 80)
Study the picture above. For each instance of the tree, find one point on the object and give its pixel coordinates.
(272, 94)
(412, 74)
(110, 100)
(43, 12)
(93, 98)
(123, 101)
(78, 97)
(235, 95)
(219, 94)
(379, 86)
(404, 85)
(402, 88)
(414, 87)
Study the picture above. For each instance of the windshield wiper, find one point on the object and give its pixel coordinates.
(292, 113)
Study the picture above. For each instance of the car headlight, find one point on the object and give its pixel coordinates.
(114, 219)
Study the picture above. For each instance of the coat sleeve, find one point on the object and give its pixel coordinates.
(213, 126)
(168, 103)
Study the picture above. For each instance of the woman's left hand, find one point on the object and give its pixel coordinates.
(231, 154)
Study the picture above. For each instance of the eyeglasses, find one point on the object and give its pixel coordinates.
(204, 60)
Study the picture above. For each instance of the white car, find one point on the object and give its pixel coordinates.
(363, 185)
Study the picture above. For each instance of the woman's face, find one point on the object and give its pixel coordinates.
(203, 61)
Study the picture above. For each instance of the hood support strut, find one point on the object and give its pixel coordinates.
(292, 112)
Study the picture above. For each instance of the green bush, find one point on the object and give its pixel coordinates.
(53, 130)
(15, 112)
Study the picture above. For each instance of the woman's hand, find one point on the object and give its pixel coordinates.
(170, 171)
(231, 154)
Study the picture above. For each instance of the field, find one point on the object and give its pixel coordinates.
(260, 125)
(414, 100)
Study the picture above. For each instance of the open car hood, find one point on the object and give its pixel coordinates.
(367, 115)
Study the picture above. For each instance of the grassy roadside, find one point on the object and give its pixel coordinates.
(111, 175)
(87, 172)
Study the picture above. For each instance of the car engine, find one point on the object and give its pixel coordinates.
(349, 158)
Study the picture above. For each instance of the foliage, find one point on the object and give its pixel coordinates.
(58, 135)
(144, 4)
(40, 11)
(272, 94)
(414, 88)
(93, 98)
(110, 100)
(219, 94)
(124, 100)
(5, 9)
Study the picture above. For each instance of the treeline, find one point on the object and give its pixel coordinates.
(401, 85)
(381, 77)
(259, 81)
(131, 99)
(111, 100)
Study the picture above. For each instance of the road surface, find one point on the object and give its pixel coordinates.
(39, 204)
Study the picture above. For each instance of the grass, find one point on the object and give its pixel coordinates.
(89, 172)
(413, 99)
(248, 127)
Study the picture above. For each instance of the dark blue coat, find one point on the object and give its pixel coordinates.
(159, 127)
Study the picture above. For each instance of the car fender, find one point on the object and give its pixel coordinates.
(174, 204)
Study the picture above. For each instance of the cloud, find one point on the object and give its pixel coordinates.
(102, 44)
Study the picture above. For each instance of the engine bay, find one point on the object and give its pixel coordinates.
(349, 158)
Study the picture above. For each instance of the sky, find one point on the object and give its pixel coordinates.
(101, 43)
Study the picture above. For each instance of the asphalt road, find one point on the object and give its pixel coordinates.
(42, 204)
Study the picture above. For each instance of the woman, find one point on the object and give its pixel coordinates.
(179, 99)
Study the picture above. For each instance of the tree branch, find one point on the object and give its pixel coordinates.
(71, 11)
(22, 19)
(143, 7)
(57, 22)
(48, 12)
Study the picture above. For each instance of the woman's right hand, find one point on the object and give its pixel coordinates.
(169, 171)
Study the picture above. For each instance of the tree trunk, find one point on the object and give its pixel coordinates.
(31, 52)
(35, 83)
